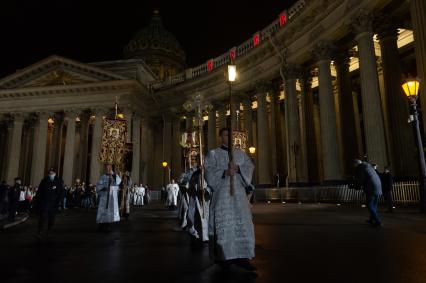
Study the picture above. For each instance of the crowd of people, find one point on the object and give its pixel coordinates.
(15, 198)
(212, 200)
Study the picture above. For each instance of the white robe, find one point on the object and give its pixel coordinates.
(198, 213)
(110, 214)
(138, 196)
(172, 194)
(230, 222)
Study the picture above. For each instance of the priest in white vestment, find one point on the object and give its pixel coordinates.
(108, 209)
(231, 228)
(172, 190)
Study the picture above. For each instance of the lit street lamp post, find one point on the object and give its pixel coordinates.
(252, 151)
(232, 75)
(411, 90)
(164, 167)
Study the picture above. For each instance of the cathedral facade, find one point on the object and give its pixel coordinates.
(318, 87)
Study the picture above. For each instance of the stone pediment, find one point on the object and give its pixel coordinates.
(56, 70)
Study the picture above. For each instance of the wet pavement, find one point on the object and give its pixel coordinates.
(294, 243)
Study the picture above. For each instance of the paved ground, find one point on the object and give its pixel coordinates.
(294, 243)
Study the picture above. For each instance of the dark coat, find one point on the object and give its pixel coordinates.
(49, 194)
(13, 195)
(387, 182)
(368, 179)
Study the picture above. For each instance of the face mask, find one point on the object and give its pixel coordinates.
(51, 177)
(18, 182)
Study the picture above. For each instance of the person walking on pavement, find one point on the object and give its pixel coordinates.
(387, 184)
(49, 196)
(368, 179)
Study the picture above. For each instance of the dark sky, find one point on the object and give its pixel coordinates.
(93, 30)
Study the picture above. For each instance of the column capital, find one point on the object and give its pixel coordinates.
(71, 114)
(291, 72)
(97, 111)
(306, 80)
(386, 27)
(342, 58)
(262, 87)
(362, 21)
(324, 50)
(44, 113)
(18, 117)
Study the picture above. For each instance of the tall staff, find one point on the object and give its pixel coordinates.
(200, 142)
(232, 75)
(198, 108)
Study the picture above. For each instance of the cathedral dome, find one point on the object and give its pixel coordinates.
(158, 48)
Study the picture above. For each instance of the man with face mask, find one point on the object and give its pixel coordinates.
(49, 195)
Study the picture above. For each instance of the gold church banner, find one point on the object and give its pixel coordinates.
(240, 140)
(113, 142)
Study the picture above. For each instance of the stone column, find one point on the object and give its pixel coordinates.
(264, 161)
(349, 139)
(372, 112)
(222, 116)
(272, 107)
(248, 119)
(14, 149)
(69, 155)
(303, 167)
(39, 149)
(167, 145)
(330, 147)
(294, 149)
(176, 150)
(55, 147)
(283, 141)
(84, 143)
(418, 20)
(212, 139)
(309, 129)
(3, 145)
(404, 160)
(95, 163)
(136, 148)
(145, 147)
(128, 116)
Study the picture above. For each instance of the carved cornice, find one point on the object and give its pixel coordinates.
(67, 89)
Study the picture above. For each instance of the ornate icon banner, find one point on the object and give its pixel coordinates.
(113, 141)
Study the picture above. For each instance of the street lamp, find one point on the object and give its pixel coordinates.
(232, 75)
(252, 151)
(164, 163)
(411, 90)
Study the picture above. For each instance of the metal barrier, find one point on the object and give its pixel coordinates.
(403, 194)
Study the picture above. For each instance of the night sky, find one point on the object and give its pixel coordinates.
(93, 30)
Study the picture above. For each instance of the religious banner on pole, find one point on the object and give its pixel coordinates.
(113, 142)
(240, 140)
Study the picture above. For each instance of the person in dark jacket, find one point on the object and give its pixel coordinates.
(387, 184)
(4, 188)
(49, 195)
(13, 197)
(370, 182)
